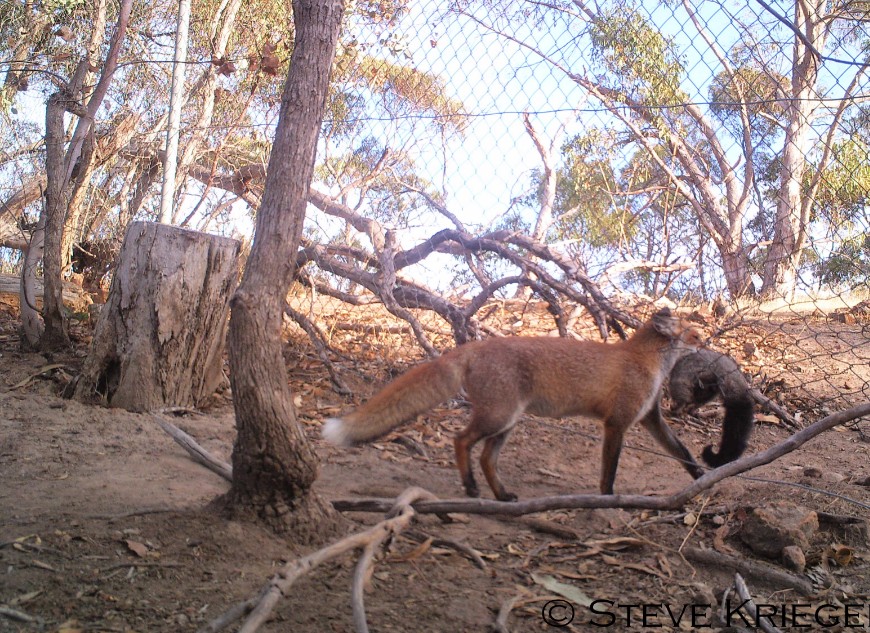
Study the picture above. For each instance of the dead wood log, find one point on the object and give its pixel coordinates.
(674, 501)
(753, 568)
(74, 297)
(160, 338)
(400, 516)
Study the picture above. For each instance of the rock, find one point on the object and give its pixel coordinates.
(833, 477)
(794, 558)
(767, 531)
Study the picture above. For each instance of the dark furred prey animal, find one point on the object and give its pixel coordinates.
(700, 376)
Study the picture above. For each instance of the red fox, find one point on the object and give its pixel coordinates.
(701, 376)
(619, 383)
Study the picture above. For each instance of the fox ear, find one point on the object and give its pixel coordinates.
(666, 324)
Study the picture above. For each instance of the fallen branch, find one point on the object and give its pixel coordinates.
(775, 409)
(756, 569)
(749, 605)
(400, 515)
(20, 616)
(361, 577)
(196, 451)
(643, 502)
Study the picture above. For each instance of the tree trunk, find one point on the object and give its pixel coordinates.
(160, 338)
(274, 466)
(56, 333)
(789, 231)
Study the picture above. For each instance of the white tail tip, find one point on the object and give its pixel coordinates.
(335, 432)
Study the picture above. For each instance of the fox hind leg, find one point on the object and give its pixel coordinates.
(492, 421)
(462, 444)
(489, 465)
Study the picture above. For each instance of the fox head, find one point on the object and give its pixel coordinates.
(681, 334)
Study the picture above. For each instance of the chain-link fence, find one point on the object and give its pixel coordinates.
(507, 167)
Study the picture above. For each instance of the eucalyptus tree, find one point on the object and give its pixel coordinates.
(741, 108)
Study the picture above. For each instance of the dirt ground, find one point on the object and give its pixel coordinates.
(105, 522)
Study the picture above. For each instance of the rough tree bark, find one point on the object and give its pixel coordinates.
(64, 174)
(274, 466)
(160, 338)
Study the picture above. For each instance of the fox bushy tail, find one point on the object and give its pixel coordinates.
(411, 394)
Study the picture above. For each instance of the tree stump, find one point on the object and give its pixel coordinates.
(160, 338)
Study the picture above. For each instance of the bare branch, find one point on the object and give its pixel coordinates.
(568, 502)
(401, 514)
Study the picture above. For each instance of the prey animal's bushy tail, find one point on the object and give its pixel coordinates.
(736, 430)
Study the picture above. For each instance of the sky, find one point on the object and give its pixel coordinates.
(497, 80)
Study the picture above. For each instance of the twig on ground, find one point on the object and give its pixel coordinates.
(140, 563)
(362, 575)
(400, 515)
(749, 605)
(724, 612)
(694, 525)
(196, 451)
(500, 625)
(756, 569)
(20, 616)
(549, 527)
(466, 550)
(236, 612)
(775, 409)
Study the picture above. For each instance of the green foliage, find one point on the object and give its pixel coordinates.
(585, 191)
(845, 183)
(342, 116)
(760, 91)
(849, 264)
(638, 56)
(404, 91)
(63, 7)
(379, 176)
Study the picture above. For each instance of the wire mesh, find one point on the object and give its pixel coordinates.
(508, 166)
(695, 152)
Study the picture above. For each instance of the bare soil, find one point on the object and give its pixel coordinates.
(106, 523)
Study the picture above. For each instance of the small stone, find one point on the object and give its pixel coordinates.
(767, 531)
(812, 472)
(794, 558)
